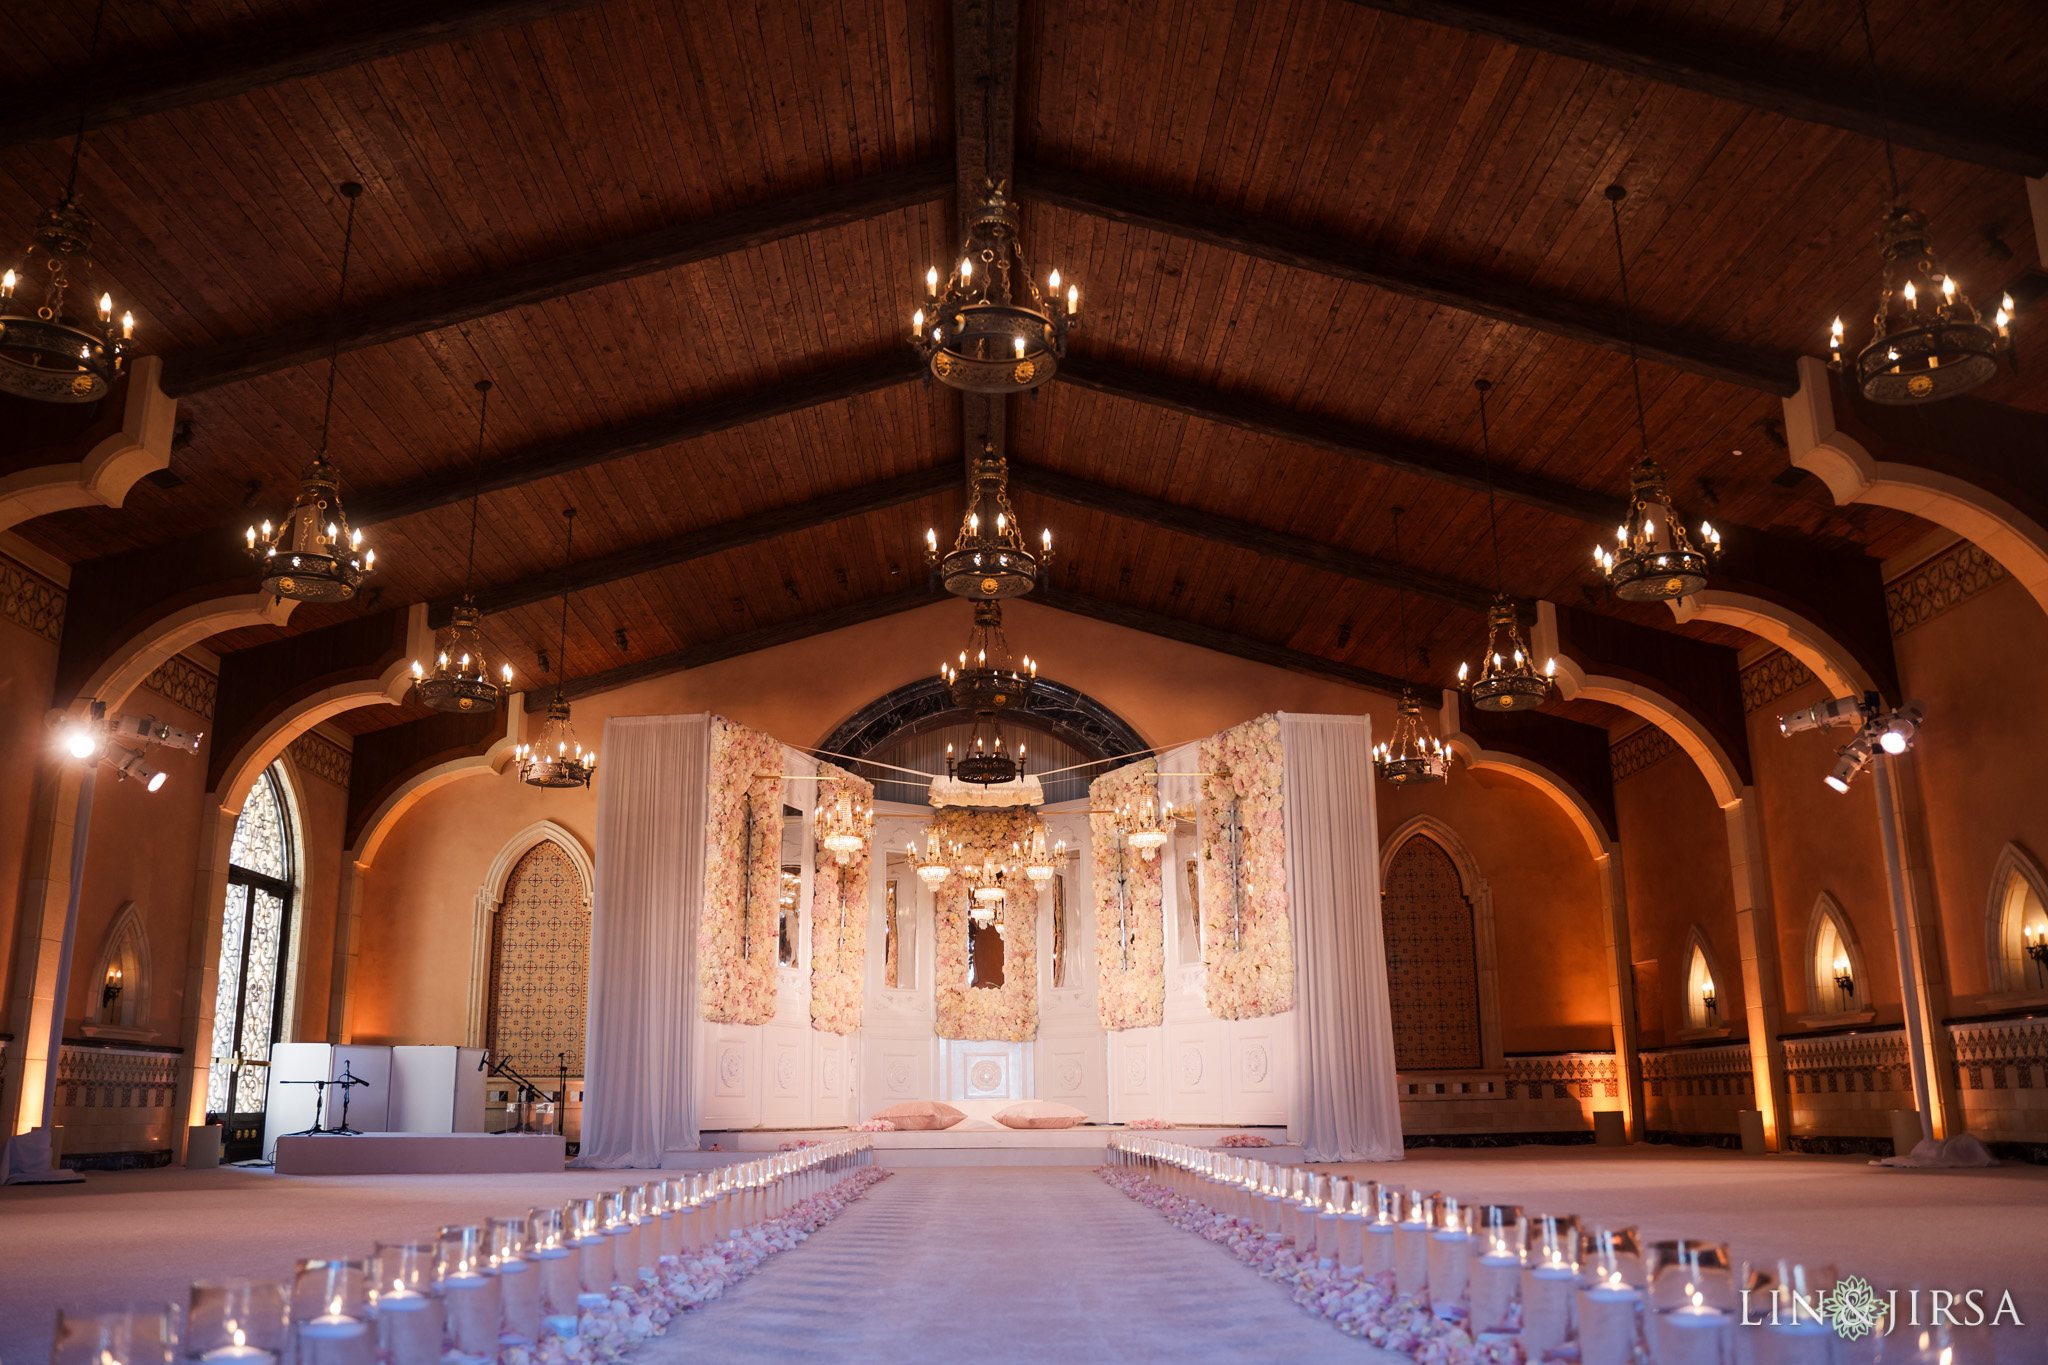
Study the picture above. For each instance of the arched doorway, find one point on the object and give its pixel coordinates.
(540, 965)
(251, 1003)
(1432, 960)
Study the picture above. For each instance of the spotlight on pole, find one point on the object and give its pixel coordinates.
(128, 763)
(1839, 711)
(86, 738)
(1889, 732)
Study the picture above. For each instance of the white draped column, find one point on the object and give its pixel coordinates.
(1345, 1098)
(639, 1091)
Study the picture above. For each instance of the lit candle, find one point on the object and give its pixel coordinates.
(334, 1339)
(1411, 1246)
(238, 1351)
(1450, 1262)
(409, 1327)
(1607, 1322)
(519, 1289)
(1496, 1275)
(1546, 1306)
(1694, 1334)
(474, 1312)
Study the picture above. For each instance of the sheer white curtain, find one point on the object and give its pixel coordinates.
(1344, 1080)
(639, 1070)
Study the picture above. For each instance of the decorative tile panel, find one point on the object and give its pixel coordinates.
(1432, 960)
(1849, 1064)
(323, 758)
(1638, 750)
(114, 1078)
(2001, 1054)
(31, 601)
(1770, 678)
(540, 963)
(1699, 1072)
(183, 683)
(1564, 1076)
(1954, 576)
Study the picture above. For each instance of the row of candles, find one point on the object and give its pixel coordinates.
(472, 1291)
(1566, 1290)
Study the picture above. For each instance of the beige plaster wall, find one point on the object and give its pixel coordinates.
(1675, 864)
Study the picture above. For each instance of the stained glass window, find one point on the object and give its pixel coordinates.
(250, 1003)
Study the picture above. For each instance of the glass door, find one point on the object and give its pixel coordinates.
(248, 1010)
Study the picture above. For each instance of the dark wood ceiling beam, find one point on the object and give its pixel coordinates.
(1222, 641)
(1929, 121)
(753, 403)
(1501, 300)
(552, 277)
(264, 54)
(1242, 535)
(1341, 438)
(710, 540)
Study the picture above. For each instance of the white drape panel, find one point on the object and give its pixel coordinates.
(639, 1090)
(1345, 1095)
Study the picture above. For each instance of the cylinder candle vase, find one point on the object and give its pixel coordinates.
(1411, 1251)
(411, 1326)
(236, 1322)
(1450, 1265)
(466, 1278)
(330, 1308)
(556, 1263)
(1609, 1323)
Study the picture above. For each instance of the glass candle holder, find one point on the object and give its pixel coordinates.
(1610, 1297)
(560, 1274)
(411, 1322)
(143, 1334)
(1499, 1235)
(624, 1233)
(1693, 1298)
(1411, 1242)
(1450, 1261)
(668, 1203)
(585, 1220)
(1379, 1233)
(507, 1241)
(1784, 1307)
(466, 1276)
(331, 1316)
(1550, 1276)
(237, 1322)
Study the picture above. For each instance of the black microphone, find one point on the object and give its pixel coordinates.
(484, 1061)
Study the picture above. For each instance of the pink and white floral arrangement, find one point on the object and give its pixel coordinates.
(873, 1126)
(839, 915)
(1001, 1014)
(1249, 966)
(1242, 1140)
(739, 908)
(1149, 1125)
(1131, 975)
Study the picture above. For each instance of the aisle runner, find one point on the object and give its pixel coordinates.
(632, 1316)
(1360, 1305)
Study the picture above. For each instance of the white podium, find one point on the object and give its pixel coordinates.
(289, 1107)
(437, 1090)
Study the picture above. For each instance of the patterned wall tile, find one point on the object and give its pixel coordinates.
(1432, 961)
(321, 757)
(1954, 576)
(1770, 678)
(1637, 751)
(31, 601)
(185, 683)
(540, 965)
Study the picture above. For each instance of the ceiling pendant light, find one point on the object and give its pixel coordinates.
(59, 341)
(313, 556)
(990, 330)
(1508, 680)
(843, 828)
(1927, 340)
(461, 680)
(1654, 559)
(990, 558)
(987, 682)
(1411, 756)
(557, 758)
(1040, 863)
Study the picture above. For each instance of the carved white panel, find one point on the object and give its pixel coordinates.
(987, 1077)
(1255, 1064)
(1191, 1067)
(900, 1072)
(1134, 1071)
(831, 1071)
(1069, 1072)
(788, 1071)
(729, 1069)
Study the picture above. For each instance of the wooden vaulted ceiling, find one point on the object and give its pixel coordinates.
(684, 241)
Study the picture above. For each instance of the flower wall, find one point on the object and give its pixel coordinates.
(1249, 964)
(839, 914)
(1130, 949)
(1006, 1013)
(736, 931)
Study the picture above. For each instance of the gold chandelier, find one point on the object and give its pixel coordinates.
(843, 828)
(1508, 680)
(990, 558)
(461, 681)
(990, 330)
(1411, 755)
(1147, 826)
(987, 682)
(557, 757)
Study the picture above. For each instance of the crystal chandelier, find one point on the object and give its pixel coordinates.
(1508, 680)
(1039, 862)
(1655, 559)
(932, 865)
(461, 680)
(990, 330)
(843, 828)
(557, 758)
(1148, 826)
(1411, 754)
(987, 683)
(59, 342)
(314, 556)
(990, 558)
(1927, 340)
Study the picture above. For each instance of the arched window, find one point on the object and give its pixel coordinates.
(1432, 960)
(2018, 918)
(540, 965)
(1835, 978)
(252, 1001)
(1704, 1008)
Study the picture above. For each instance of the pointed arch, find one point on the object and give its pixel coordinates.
(124, 945)
(1703, 971)
(1479, 896)
(1831, 940)
(491, 895)
(2018, 905)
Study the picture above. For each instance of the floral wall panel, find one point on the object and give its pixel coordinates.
(839, 914)
(1130, 926)
(736, 940)
(1247, 937)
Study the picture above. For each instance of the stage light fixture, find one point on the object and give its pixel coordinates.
(128, 763)
(1855, 757)
(1837, 711)
(81, 742)
(151, 731)
(1899, 729)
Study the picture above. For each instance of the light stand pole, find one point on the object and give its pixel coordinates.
(81, 827)
(1902, 934)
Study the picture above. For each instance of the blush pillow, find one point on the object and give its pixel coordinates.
(1040, 1114)
(921, 1116)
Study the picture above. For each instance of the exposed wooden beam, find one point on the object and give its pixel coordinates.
(262, 54)
(550, 277)
(707, 541)
(1341, 438)
(1222, 641)
(984, 151)
(1464, 290)
(1930, 121)
(746, 642)
(752, 403)
(1245, 536)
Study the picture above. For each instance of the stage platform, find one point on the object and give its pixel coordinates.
(421, 1154)
(964, 1146)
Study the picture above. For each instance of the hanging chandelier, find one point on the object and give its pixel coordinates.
(59, 342)
(843, 828)
(1147, 826)
(557, 758)
(461, 680)
(990, 330)
(1927, 341)
(1411, 755)
(990, 558)
(932, 865)
(1655, 559)
(1039, 862)
(314, 556)
(1508, 680)
(987, 683)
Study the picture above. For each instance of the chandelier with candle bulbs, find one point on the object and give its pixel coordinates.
(461, 680)
(987, 682)
(1146, 825)
(1040, 863)
(843, 826)
(314, 555)
(1655, 558)
(1508, 678)
(1411, 755)
(990, 330)
(1927, 340)
(990, 558)
(557, 758)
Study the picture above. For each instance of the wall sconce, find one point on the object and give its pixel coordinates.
(111, 990)
(1707, 996)
(1843, 977)
(2037, 945)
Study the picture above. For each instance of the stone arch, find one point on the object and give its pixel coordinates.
(102, 476)
(2018, 901)
(1828, 925)
(1567, 798)
(491, 895)
(1479, 895)
(1824, 656)
(124, 670)
(125, 945)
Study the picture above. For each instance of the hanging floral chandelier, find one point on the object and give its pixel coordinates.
(1655, 559)
(1411, 755)
(987, 683)
(1927, 341)
(843, 828)
(990, 558)
(314, 555)
(557, 758)
(990, 330)
(461, 681)
(1508, 680)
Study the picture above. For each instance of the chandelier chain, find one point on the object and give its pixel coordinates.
(92, 50)
(1615, 194)
(476, 484)
(350, 190)
(1401, 590)
(568, 558)
(1891, 168)
(1486, 467)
